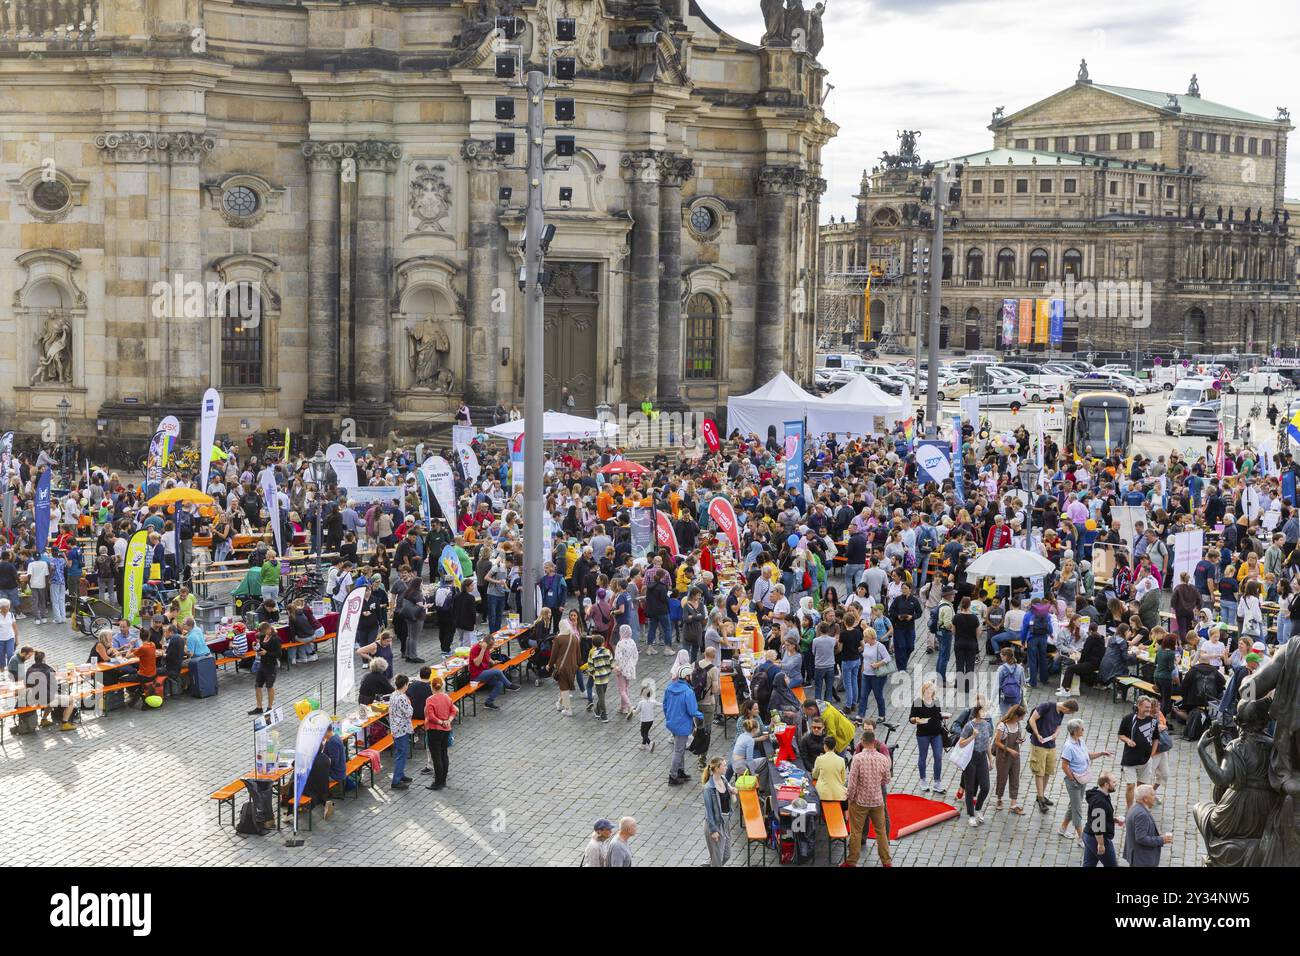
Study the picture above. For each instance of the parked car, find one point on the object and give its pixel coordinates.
(1194, 420)
(948, 388)
(1013, 397)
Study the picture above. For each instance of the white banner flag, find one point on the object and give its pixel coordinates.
(1188, 551)
(468, 462)
(345, 672)
(208, 412)
(443, 485)
(344, 465)
(271, 497)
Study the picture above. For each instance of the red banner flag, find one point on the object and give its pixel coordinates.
(710, 430)
(724, 516)
(664, 532)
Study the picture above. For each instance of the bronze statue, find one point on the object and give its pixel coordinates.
(1280, 677)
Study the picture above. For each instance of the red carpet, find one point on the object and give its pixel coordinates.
(909, 814)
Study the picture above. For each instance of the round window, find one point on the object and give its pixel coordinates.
(50, 196)
(702, 220)
(240, 201)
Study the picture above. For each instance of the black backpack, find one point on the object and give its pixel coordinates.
(1040, 625)
(700, 681)
(248, 822)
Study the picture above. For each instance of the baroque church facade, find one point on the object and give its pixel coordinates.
(1095, 184)
(300, 203)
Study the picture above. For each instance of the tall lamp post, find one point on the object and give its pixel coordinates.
(1029, 475)
(1236, 400)
(64, 408)
(319, 472)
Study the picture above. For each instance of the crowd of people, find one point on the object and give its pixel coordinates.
(857, 578)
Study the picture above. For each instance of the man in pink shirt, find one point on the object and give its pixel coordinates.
(868, 776)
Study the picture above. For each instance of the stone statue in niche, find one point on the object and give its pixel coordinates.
(54, 344)
(430, 349)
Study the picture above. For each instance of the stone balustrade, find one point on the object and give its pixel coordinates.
(55, 22)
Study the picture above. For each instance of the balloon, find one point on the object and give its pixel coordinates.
(153, 700)
(313, 703)
(1090, 524)
(793, 541)
(302, 709)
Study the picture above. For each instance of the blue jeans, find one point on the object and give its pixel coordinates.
(852, 572)
(1283, 629)
(872, 685)
(496, 608)
(495, 681)
(58, 602)
(1228, 611)
(925, 745)
(904, 642)
(7, 649)
(659, 623)
(401, 750)
(1000, 638)
(824, 682)
(851, 671)
(1090, 856)
(944, 637)
(1036, 651)
(923, 570)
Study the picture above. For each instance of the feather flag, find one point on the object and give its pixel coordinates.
(1293, 428)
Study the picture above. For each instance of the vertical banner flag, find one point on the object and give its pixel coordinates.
(1042, 319)
(642, 531)
(7, 443)
(133, 575)
(426, 506)
(42, 512)
(1008, 322)
(1038, 458)
(1219, 465)
(462, 437)
(1026, 314)
(208, 412)
(1188, 549)
(311, 733)
(664, 533)
(958, 470)
(153, 467)
(286, 444)
(517, 464)
(709, 429)
(171, 427)
(1056, 334)
(724, 516)
(345, 674)
(933, 461)
(442, 485)
(270, 494)
(344, 465)
(794, 454)
(449, 561)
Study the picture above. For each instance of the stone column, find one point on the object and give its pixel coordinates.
(777, 188)
(484, 328)
(375, 161)
(641, 337)
(189, 338)
(674, 170)
(323, 269)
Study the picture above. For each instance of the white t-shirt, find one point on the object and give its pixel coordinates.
(38, 573)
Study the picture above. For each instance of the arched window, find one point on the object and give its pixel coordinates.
(241, 335)
(1072, 264)
(972, 329)
(1006, 265)
(701, 346)
(974, 264)
(947, 263)
(1038, 265)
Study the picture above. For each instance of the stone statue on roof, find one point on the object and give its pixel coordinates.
(1193, 88)
(1082, 76)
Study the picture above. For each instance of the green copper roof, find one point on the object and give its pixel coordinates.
(1003, 156)
(1191, 105)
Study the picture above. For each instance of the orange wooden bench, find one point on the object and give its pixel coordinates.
(755, 828)
(837, 829)
(798, 692)
(730, 708)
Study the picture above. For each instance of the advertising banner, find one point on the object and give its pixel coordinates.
(345, 675)
(133, 575)
(442, 485)
(1042, 320)
(209, 410)
(42, 512)
(344, 464)
(934, 461)
(724, 516)
(1026, 320)
(664, 532)
(1008, 322)
(272, 500)
(642, 531)
(1056, 333)
(794, 454)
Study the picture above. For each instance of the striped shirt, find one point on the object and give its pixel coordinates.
(600, 662)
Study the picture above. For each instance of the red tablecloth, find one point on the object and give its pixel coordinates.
(328, 621)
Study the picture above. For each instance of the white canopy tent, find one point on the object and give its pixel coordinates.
(1006, 563)
(859, 407)
(556, 426)
(779, 401)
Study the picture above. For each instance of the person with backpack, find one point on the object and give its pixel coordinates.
(1010, 678)
(941, 625)
(706, 681)
(1035, 631)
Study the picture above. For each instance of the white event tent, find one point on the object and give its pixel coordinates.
(779, 401)
(859, 407)
(556, 426)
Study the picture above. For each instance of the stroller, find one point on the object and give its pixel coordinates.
(94, 614)
(539, 665)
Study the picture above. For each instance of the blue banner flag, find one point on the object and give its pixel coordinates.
(42, 511)
(794, 454)
(958, 471)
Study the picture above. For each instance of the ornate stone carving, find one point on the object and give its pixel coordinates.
(645, 165)
(137, 146)
(780, 179)
(327, 155)
(266, 198)
(39, 193)
(1193, 87)
(377, 156)
(56, 264)
(129, 147)
(675, 170)
(54, 351)
(185, 147)
(429, 197)
(1082, 75)
(590, 16)
(479, 153)
(430, 349)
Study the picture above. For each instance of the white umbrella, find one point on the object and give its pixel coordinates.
(1006, 563)
(557, 426)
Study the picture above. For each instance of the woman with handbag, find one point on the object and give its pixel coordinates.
(877, 665)
(977, 735)
(1076, 765)
(564, 666)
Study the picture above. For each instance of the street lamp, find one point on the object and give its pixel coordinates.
(64, 408)
(1029, 474)
(1236, 401)
(319, 472)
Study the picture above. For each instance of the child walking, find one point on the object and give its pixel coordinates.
(645, 709)
(600, 664)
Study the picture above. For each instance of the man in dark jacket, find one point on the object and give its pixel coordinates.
(1099, 824)
(464, 612)
(658, 587)
(903, 612)
(1143, 840)
(554, 593)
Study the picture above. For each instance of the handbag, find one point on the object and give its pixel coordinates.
(889, 667)
(746, 781)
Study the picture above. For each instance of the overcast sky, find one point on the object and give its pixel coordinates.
(941, 66)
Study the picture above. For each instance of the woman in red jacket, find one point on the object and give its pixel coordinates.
(439, 713)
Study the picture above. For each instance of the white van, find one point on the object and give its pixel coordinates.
(1193, 391)
(846, 360)
(1250, 383)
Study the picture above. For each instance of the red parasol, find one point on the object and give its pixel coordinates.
(624, 468)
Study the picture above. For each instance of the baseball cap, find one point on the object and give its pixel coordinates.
(602, 824)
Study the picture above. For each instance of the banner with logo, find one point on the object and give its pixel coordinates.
(709, 428)
(643, 534)
(209, 410)
(271, 497)
(449, 561)
(42, 512)
(154, 466)
(368, 495)
(345, 674)
(517, 464)
(724, 516)
(442, 485)
(794, 454)
(958, 470)
(665, 533)
(1042, 320)
(462, 438)
(1026, 318)
(7, 443)
(426, 505)
(1056, 333)
(137, 556)
(311, 734)
(933, 460)
(1008, 322)
(344, 464)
